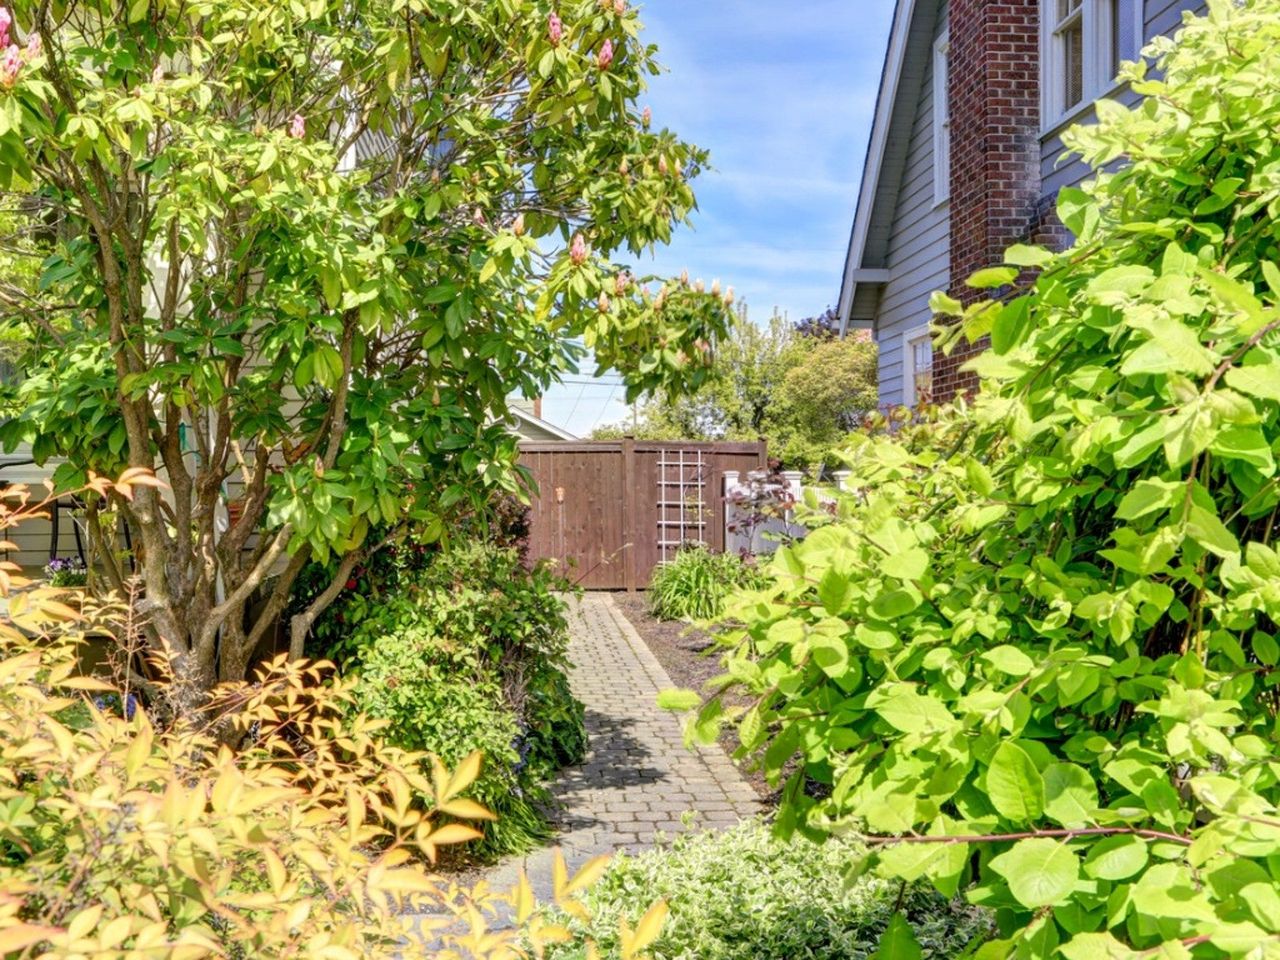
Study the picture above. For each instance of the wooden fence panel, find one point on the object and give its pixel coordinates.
(608, 512)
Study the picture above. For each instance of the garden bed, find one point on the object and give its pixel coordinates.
(681, 649)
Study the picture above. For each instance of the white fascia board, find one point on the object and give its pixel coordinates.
(885, 101)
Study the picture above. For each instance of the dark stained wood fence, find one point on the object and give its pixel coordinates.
(608, 512)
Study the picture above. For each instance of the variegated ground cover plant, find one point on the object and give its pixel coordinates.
(272, 824)
(1033, 655)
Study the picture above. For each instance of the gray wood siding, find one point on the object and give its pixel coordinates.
(1159, 17)
(918, 255)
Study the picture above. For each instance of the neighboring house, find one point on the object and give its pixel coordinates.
(527, 421)
(964, 157)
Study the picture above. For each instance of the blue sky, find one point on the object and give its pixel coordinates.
(782, 93)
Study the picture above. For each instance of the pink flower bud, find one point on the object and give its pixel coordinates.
(603, 303)
(619, 7)
(477, 217)
(555, 30)
(646, 117)
(660, 299)
(34, 46)
(517, 226)
(578, 250)
(715, 287)
(624, 167)
(620, 284)
(6, 20)
(10, 66)
(606, 55)
(728, 297)
(700, 286)
(684, 278)
(297, 127)
(663, 168)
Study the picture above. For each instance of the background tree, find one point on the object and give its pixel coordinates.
(828, 387)
(304, 253)
(799, 386)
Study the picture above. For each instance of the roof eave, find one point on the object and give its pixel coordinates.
(890, 76)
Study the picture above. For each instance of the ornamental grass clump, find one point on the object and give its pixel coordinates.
(694, 584)
(1032, 654)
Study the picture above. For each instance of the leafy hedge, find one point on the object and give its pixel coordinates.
(745, 895)
(1033, 656)
(469, 653)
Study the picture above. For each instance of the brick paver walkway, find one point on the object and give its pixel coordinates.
(638, 778)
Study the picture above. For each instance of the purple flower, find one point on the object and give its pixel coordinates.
(6, 20)
(298, 127)
(555, 30)
(606, 55)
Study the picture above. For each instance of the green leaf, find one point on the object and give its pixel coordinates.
(1040, 872)
(1014, 785)
(909, 564)
(1009, 659)
(894, 603)
(1148, 496)
(992, 277)
(1129, 279)
(1263, 901)
(1022, 255)
(1116, 858)
(911, 712)
(831, 654)
(1173, 347)
(1258, 375)
(898, 942)
(679, 700)
(1207, 530)
(1095, 946)
(834, 592)
(267, 160)
(1070, 795)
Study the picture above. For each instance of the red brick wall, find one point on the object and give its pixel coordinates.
(994, 90)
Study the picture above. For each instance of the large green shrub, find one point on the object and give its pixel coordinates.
(746, 895)
(468, 652)
(1034, 654)
(694, 584)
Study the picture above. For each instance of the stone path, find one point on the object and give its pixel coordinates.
(638, 779)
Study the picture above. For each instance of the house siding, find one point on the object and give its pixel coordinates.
(1056, 171)
(917, 256)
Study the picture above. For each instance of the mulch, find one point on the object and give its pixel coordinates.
(682, 651)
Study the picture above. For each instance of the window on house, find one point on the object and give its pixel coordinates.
(941, 122)
(917, 359)
(1084, 43)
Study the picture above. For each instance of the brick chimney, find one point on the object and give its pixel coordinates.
(537, 407)
(994, 92)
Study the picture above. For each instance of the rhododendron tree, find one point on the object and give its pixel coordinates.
(300, 254)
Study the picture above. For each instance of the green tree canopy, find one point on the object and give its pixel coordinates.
(306, 250)
(798, 386)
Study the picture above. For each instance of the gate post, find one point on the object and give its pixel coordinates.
(629, 512)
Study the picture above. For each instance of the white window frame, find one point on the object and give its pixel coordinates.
(909, 339)
(1097, 78)
(941, 120)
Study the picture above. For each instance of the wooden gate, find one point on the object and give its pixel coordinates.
(608, 512)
